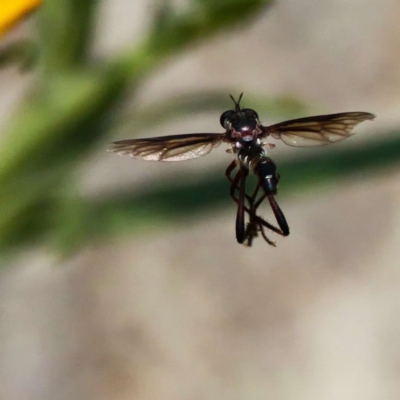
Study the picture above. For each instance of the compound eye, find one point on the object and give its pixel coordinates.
(225, 118)
(251, 113)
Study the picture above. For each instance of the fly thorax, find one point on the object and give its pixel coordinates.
(250, 153)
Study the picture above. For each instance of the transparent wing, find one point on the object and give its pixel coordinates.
(169, 148)
(317, 131)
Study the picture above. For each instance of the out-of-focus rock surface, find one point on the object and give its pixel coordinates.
(186, 313)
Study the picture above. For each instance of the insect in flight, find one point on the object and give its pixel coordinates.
(247, 137)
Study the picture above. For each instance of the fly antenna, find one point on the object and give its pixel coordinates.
(237, 103)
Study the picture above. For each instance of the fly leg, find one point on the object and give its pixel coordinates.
(257, 223)
(280, 217)
(229, 170)
(239, 183)
(235, 184)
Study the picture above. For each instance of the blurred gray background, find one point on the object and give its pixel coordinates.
(179, 310)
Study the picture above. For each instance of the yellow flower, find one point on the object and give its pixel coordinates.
(12, 11)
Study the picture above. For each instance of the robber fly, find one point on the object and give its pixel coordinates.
(247, 137)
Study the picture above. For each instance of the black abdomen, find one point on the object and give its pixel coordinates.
(265, 169)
